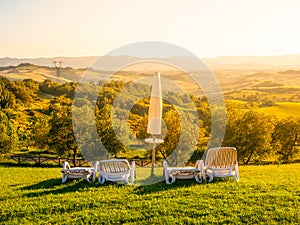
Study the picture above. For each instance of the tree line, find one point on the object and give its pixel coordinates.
(39, 116)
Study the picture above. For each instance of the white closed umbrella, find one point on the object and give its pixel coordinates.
(155, 116)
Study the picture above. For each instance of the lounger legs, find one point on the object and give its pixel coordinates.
(101, 179)
(126, 181)
(211, 178)
(90, 178)
(132, 172)
(202, 169)
(237, 175)
(167, 175)
(64, 178)
(198, 178)
(89, 174)
(170, 179)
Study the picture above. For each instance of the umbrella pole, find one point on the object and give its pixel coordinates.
(153, 156)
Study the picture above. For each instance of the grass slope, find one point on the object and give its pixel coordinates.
(264, 195)
(283, 109)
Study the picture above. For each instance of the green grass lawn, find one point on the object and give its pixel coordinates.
(265, 195)
(283, 109)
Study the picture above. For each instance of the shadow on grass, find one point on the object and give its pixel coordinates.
(162, 186)
(46, 184)
(54, 186)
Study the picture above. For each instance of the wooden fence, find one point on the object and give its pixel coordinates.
(145, 162)
(39, 160)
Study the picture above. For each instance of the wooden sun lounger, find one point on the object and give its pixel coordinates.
(173, 173)
(115, 170)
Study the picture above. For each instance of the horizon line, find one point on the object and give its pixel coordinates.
(204, 57)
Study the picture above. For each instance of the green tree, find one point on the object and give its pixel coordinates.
(83, 116)
(183, 132)
(8, 137)
(250, 132)
(138, 125)
(24, 135)
(22, 93)
(7, 98)
(61, 137)
(49, 87)
(173, 132)
(286, 138)
(106, 132)
(40, 130)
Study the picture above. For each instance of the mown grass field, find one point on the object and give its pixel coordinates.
(283, 109)
(265, 195)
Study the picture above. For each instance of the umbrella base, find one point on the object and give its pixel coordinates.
(155, 141)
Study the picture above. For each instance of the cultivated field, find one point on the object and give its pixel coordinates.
(283, 109)
(265, 195)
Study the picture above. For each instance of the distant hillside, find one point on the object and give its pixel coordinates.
(41, 73)
(253, 63)
(282, 81)
(68, 74)
(75, 62)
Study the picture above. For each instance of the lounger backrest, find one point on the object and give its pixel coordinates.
(114, 166)
(223, 157)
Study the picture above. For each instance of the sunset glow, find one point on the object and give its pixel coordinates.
(208, 28)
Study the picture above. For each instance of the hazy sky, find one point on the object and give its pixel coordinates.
(208, 28)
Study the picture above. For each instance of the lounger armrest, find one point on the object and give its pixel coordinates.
(66, 166)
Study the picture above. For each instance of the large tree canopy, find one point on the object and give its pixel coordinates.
(250, 132)
(8, 138)
(286, 138)
(61, 137)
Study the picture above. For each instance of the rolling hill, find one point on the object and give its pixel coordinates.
(249, 63)
(239, 81)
